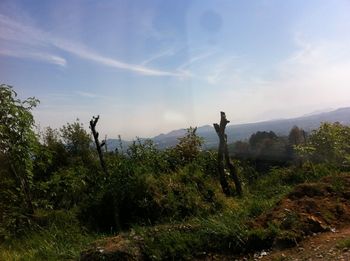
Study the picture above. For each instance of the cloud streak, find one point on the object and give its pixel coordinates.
(45, 57)
(195, 59)
(14, 32)
(158, 56)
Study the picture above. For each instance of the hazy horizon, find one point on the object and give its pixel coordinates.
(149, 67)
(131, 138)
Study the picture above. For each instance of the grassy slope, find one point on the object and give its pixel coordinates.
(63, 239)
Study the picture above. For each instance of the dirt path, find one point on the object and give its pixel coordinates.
(326, 246)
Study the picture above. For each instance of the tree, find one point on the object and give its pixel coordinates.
(17, 140)
(261, 138)
(189, 146)
(50, 155)
(240, 149)
(98, 144)
(224, 158)
(329, 143)
(77, 141)
(296, 136)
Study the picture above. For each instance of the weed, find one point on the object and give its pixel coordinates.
(61, 239)
(345, 243)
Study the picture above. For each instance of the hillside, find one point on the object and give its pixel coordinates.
(311, 221)
(62, 198)
(243, 131)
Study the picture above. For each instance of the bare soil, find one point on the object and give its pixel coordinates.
(326, 246)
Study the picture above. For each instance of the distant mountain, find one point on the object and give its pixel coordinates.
(244, 131)
(113, 144)
(318, 112)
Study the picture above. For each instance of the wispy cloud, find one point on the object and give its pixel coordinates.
(85, 53)
(158, 56)
(186, 67)
(40, 56)
(86, 94)
(195, 59)
(220, 70)
(210, 66)
(93, 95)
(25, 35)
(21, 33)
(312, 77)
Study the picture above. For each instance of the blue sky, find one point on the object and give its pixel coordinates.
(148, 67)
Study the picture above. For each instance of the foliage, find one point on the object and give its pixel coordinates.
(296, 136)
(144, 154)
(143, 197)
(189, 146)
(263, 151)
(330, 143)
(345, 243)
(261, 137)
(50, 155)
(17, 142)
(77, 141)
(61, 238)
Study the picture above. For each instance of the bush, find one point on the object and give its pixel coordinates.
(146, 198)
(329, 144)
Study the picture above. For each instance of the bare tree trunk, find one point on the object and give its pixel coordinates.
(233, 170)
(99, 145)
(223, 155)
(222, 175)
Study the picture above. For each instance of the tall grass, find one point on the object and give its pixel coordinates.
(61, 238)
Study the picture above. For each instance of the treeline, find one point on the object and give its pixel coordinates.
(264, 149)
(328, 144)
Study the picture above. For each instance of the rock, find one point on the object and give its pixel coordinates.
(316, 225)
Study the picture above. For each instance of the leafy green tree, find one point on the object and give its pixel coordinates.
(17, 138)
(77, 141)
(330, 143)
(17, 142)
(268, 146)
(189, 146)
(262, 139)
(50, 155)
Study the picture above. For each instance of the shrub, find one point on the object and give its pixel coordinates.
(142, 197)
(329, 144)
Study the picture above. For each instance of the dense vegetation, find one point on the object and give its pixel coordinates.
(55, 198)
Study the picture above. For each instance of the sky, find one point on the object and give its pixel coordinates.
(149, 67)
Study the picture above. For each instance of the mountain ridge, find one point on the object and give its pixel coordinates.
(243, 131)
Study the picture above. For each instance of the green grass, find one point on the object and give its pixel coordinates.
(47, 244)
(60, 239)
(345, 243)
(184, 240)
(227, 231)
